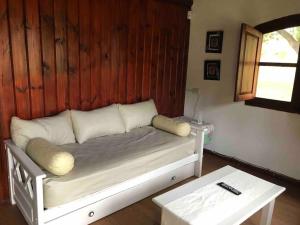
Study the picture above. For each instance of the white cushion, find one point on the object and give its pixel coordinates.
(97, 123)
(138, 114)
(172, 126)
(56, 129)
(50, 157)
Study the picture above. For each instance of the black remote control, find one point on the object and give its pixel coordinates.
(229, 188)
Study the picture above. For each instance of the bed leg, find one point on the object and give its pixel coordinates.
(10, 176)
(199, 150)
(38, 203)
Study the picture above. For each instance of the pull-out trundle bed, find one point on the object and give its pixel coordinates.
(127, 168)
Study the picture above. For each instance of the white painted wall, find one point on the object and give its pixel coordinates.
(266, 138)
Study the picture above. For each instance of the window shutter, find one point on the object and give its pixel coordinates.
(247, 69)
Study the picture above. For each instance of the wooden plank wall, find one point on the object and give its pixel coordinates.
(85, 54)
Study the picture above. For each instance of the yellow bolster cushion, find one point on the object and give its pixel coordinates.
(50, 157)
(170, 125)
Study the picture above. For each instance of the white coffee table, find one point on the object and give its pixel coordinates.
(202, 201)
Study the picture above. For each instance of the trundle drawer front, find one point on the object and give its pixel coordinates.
(127, 197)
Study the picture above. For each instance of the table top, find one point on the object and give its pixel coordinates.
(202, 200)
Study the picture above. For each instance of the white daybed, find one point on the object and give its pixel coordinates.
(110, 173)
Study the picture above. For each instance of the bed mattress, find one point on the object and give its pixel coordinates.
(105, 161)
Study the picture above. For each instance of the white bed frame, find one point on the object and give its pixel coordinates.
(26, 188)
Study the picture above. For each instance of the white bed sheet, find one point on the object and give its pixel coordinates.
(105, 161)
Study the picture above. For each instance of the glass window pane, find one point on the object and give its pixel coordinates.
(281, 46)
(276, 83)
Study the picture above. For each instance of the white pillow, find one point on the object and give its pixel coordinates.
(56, 129)
(173, 126)
(51, 157)
(138, 115)
(97, 123)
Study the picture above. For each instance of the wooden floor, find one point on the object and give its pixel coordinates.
(286, 212)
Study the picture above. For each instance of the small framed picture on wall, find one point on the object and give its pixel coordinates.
(212, 69)
(214, 41)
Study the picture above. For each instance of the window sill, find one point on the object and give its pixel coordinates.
(272, 104)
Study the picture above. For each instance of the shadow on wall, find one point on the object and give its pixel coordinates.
(197, 102)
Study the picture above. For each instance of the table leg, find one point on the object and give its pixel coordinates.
(168, 218)
(199, 150)
(267, 211)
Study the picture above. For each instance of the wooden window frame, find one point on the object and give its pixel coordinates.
(294, 105)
